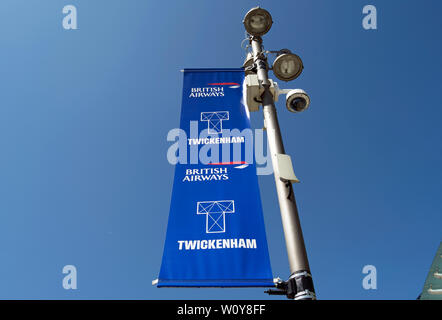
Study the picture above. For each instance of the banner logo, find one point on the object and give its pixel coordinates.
(213, 90)
(215, 120)
(215, 212)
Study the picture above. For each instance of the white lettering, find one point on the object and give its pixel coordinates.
(217, 244)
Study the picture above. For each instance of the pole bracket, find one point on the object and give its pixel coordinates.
(285, 168)
(298, 287)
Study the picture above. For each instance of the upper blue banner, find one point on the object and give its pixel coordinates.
(215, 235)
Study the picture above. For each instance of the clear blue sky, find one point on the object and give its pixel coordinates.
(84, 115)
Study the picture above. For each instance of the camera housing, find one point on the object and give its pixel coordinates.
(297, 100)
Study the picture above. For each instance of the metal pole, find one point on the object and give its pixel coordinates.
(300, 284)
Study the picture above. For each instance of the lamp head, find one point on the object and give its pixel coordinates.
(287, 66)
(257, 21)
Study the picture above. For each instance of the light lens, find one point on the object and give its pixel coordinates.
(258, 21)
(287, 66)
(299, 104)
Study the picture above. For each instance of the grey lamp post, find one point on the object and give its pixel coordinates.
(286, 67)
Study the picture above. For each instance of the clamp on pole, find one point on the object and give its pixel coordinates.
(298, 287)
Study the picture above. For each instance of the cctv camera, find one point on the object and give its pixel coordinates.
(297, 100)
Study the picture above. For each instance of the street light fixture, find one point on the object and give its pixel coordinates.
(287, 66)
(257, 21)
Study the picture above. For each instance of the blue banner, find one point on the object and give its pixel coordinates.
(215, 235)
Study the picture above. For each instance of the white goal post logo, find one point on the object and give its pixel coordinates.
(215, 120)
(215, 212)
